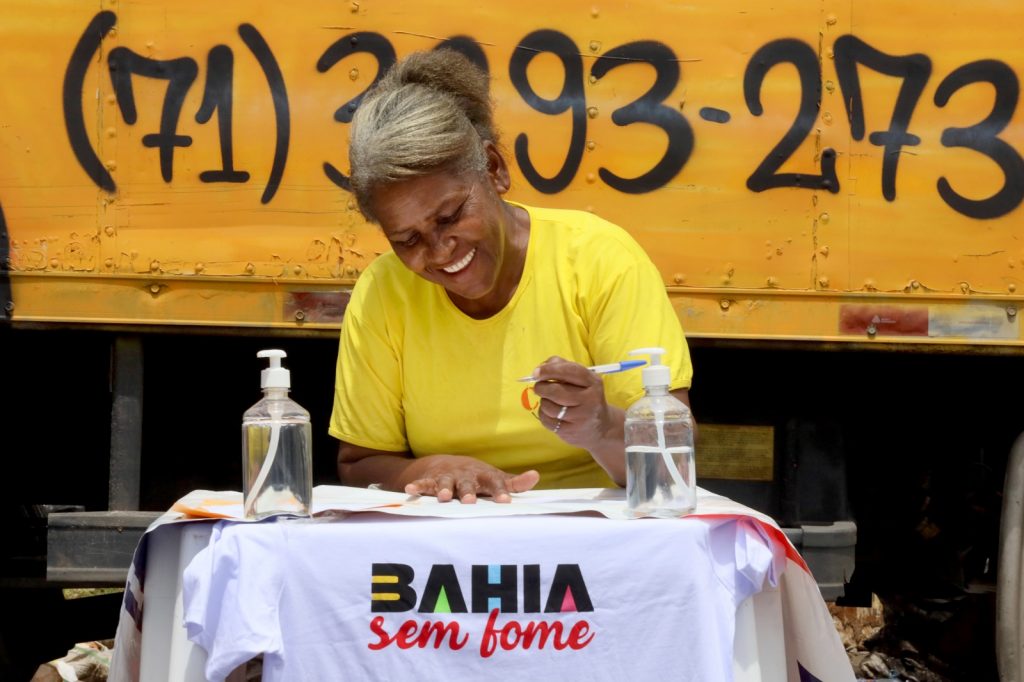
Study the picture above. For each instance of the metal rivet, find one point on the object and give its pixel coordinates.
(965, 287)
(109, 262)
(823, 282)
(300, 315)
(111, 164)
(154, 265)
(872, 330)
(1012, 288)
(9, 306)
(595, 45)
(250, 268)
(594, 11)
(771, 281)
(831, 19)
(54, 263)
(591, 79)
(109, 230)
(591, 177)
(830, 86)
(724, 304)
(111, 132)
(1011, 311)
(824, 217)
(200, 267)
(591, 145)
(297, 269)
(154, 288)
(592, 112)
(354, 7)
(353, 74)
(679, 278)
(827, 118)
(914, 284)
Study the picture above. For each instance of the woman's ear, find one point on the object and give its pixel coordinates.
(497, 169)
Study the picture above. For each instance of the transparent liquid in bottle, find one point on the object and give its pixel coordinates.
(660, 471)
(288, 485)
(651, 489)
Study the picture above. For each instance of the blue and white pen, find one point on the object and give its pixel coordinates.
(610, 368)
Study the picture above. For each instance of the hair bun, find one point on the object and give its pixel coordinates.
(452, 73)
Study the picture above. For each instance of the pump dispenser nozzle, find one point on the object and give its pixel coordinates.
(655, 373)
(274, 376)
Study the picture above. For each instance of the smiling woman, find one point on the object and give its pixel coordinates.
(479, 290)
(455, 231)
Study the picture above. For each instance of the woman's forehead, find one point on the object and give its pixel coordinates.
(408, 204)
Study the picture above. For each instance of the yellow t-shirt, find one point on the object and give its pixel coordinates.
(416, 374)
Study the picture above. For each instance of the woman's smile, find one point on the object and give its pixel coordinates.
(456, 268)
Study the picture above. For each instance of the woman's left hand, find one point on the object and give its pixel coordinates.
(573, 405)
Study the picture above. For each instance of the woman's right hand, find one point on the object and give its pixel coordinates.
(448, 477)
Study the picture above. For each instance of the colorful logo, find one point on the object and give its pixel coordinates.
(494, 589)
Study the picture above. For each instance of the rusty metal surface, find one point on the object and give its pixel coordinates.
(183, 163)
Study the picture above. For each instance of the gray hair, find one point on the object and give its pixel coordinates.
(430, 112)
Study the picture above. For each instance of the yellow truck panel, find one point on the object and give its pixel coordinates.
(826, 171)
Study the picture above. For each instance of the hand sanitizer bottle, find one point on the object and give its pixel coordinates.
(660, 476)
(277, 457)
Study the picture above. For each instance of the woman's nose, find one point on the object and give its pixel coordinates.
(442, 248)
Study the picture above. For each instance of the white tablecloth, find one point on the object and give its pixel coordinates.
(645, 595)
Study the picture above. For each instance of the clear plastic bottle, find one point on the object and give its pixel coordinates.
(660, 472)
(277, 457)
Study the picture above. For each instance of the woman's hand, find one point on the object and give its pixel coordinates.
(443, 476)
(452, 476)
(572, 403)
(574, 408)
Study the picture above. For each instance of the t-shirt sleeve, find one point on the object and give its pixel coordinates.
(368, 409)
(626, 307)
(230, 613)
(744, 557)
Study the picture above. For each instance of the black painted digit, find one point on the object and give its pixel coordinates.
(914, 69)
(218, 95)
(804, 58)
(179, 74)
(649, 109)
(74, 80)
(984, 138)
(570, 98)
(282, 113)
(467, 47)
(363, 41)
